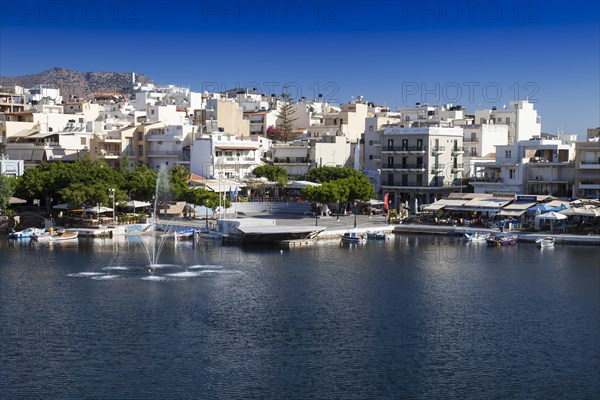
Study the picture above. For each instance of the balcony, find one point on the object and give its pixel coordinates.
(110, 155)
(437, 150)
(437, 168)
(291, 160)
(405, 149)
(457, 168)
(235, 160)
(405, 167)
(589, 164)
(486, 180)
(164, 138)
(109, 139)
(164, 154)
(457, 151)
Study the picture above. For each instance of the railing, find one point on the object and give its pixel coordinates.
(458, 166)
(404, 148)
(438, 148)
(404, 166)
(292, 160)
(487, 180)
(594, 162)
(164, 154)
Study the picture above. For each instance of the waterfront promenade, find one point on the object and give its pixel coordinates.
(335, 227)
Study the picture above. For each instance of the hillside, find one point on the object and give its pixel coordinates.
(74, 83)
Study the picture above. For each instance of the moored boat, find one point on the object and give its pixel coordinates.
(545, 241)
(476, 237)
(501, 240)
(376, 235)
(352, 237)
(55, 237)
(25, 233)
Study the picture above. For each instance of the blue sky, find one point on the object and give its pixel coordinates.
(474, 53)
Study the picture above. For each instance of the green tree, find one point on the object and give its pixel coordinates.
(178, 178)
(286, 115)
(6, 191)
(206, 198)
(140, 183)
(327, 193)
(359, 186)
(273, 173)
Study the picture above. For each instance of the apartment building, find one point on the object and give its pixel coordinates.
(421, 163)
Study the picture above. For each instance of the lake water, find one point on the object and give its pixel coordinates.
(416, 317)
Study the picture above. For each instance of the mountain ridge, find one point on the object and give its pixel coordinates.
(77, 84)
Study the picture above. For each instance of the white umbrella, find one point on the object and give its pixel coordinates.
(137, 204)
(551, 216)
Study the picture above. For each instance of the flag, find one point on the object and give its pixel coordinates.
(386, 201)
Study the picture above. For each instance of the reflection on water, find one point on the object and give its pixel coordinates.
(413, 317)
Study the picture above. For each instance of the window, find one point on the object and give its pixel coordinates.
(370, 156)
(511, 174)
(499, 119)
(83, 141)
(507, 120)
(371, 128)
(507, 154)
(370, 143)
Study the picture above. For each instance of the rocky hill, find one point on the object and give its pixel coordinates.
(77, 84)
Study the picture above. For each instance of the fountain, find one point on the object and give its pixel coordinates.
(161, 195)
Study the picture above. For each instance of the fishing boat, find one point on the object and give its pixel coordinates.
(545, 242)
(55, 237)
(501, 240)
(376, 235)
(352, 237)
(476, 237)
(25, 233)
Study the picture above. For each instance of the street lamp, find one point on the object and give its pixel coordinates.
(112, 194)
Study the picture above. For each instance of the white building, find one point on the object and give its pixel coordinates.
(533, 166)
(520, 117)
(421, 163)
(222, 156)
(587, 167)
(169, 145)
(38, 93)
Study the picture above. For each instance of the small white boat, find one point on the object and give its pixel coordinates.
(55, 237)
(376, 235)
(26, 233)
(545, 242)
(476, 237)
(352, 237)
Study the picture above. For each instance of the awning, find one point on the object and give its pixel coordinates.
(511, 213)
(42, 135)
(433, 207)
(518, 206)
(223, 186)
